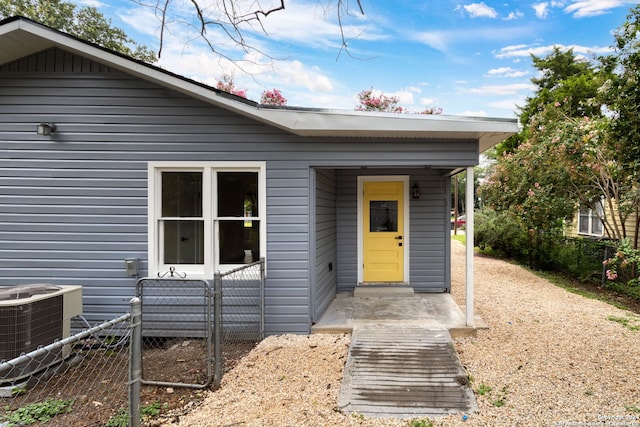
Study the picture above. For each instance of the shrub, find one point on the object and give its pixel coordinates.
(624, 263)
(501, 232)
(578, 257)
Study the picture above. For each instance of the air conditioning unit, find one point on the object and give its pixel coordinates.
(33, 316)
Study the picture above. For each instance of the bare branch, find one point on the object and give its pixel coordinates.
(164, 22)
(256, 14)
(345, 41)
(230, 19)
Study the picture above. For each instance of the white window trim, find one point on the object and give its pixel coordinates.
(211, 263)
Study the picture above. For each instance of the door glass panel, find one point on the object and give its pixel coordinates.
(183, 242)
(239, 241)
(383, 216)
(238, 194)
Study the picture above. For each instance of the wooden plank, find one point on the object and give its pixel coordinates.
(404, 373)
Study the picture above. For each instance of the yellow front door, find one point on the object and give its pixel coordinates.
(383, 234)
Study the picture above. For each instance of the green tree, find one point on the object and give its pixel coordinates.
(564, 78)
(85, 23)
(622, 91)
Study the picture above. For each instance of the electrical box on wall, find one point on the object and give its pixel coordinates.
(131, 264)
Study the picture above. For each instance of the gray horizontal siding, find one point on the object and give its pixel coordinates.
(347, 228)
(325, 250)
(73, 206)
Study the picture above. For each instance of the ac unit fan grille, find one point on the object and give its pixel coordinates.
(25, 327)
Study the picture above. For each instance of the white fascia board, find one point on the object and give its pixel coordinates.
(317, 122)
(489, 131)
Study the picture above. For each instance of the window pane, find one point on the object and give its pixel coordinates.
(237, 194)
(600, 208)
(239, 242)
(583, 226)
(183, 242)
(597, 226)
(383, 215)
(182, 194)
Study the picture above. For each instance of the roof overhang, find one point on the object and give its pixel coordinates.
(21, 37)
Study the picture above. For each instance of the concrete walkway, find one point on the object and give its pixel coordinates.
(394, 307)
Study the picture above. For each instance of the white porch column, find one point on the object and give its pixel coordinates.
(469, 205)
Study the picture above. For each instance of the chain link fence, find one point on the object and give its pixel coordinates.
(180, 333)
(193, 330)
(241, 310)
(77, 381)
(177, 339)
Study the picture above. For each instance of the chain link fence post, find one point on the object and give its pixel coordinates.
(135, 362)
(262, 271)
(217, 324)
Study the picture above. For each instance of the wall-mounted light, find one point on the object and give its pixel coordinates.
(46, 129)
(415, 191)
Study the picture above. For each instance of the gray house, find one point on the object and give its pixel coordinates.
(142, 163)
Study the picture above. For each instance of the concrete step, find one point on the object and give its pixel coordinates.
(383, 290)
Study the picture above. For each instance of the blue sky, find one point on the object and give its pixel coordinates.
(469, 58)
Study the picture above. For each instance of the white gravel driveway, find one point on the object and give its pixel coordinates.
(549, 358)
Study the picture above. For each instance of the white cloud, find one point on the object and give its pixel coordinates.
(502, 89)
(90, 3)
(480, 10)
(514, 15)
(429, 102)
(295, 73)
(309, 24)
(520, 51)
(508, 104)
(506, 72)
(586, 8)
(579, 8)
(404, 97)
(443, 40)
(142, 19)
(470, 113)
(541, 9)
(438, 40)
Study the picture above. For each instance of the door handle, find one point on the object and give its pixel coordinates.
(398, 237)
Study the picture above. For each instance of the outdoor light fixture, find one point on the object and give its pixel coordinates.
(415, 191)
(46, 129)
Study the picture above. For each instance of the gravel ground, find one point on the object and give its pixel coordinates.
(549, 358)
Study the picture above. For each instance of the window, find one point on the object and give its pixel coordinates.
(383, 216)
(589, 221)
(205, 217)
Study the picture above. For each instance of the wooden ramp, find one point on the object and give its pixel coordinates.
(404, 372)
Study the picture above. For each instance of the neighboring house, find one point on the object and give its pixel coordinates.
(147, 164)
(588, 222)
